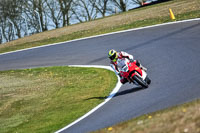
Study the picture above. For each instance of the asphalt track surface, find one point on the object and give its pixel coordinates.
(170, 52)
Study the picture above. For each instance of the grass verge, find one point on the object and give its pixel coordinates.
(46, 99)
(155, 14)
(180, 119)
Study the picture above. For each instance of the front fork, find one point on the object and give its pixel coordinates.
(130, 79)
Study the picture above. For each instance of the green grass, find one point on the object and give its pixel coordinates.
(179, 119)
(47, 99)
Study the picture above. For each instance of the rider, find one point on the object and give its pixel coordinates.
(114, 55)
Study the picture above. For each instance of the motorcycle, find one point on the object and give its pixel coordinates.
(133, 73)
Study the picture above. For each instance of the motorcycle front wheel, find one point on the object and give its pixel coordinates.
(140, 81)
(148, 80)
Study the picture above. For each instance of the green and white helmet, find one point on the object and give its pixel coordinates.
(112, 54)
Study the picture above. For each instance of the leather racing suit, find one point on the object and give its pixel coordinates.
(114, 65)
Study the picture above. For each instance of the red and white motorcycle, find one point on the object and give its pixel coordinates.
(133, 73)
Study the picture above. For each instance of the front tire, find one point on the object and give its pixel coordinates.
(140, 81)
(148, 80)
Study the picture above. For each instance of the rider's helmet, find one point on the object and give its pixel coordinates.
(112, 54)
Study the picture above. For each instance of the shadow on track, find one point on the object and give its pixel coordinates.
(132, 90)
(124, 92)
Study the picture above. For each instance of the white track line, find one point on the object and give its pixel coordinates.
(115, 90)
(196, 19)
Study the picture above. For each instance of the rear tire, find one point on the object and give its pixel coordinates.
(140, 81)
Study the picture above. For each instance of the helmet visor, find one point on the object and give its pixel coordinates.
(113, 56)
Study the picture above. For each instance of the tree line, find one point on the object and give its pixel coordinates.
(19, 18)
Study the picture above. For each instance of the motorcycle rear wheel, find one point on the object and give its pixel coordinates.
(140, 81)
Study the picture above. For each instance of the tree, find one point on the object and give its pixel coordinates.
(11, 10)
(54, 12)
(84, 10)
(39, 6)
(121, 4)
(65, 7)
(103, 6)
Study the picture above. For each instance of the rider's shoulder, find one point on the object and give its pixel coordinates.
(122, 53)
